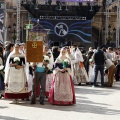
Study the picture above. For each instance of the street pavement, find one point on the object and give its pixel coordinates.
(92, 104)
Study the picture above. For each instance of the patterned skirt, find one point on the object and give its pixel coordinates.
(62, 90)
(17, 87)
(49, 79)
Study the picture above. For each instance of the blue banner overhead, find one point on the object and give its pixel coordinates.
(76, 30)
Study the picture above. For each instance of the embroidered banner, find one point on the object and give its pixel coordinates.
(34, 51)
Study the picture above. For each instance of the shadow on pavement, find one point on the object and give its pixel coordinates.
(1, 107)
(84, 104)
(94, 91)
(9, 118)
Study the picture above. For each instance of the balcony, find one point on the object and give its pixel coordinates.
(11, 6)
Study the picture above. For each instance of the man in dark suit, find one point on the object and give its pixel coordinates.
(99, 59)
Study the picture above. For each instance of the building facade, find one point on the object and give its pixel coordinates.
(98, 21)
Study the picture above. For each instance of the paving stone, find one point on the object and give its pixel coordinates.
(92, 104)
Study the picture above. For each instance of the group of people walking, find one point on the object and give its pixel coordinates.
(56, 75)
(52, 80)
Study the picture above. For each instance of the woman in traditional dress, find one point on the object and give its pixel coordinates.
(1, 73)
(80, 74)
(89, 55)
(62, 90)
(15, 76)
(49, 75)
(48, 57)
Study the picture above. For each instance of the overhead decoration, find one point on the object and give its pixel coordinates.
(82, 8)
(77, 30)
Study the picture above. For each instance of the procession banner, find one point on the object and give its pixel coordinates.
(34, 51)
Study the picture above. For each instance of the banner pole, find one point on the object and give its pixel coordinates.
(34, 82)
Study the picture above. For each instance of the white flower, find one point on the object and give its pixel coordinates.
(66, 60)
(1, 67)
(46, 58)
(90, 60)
(16, 59)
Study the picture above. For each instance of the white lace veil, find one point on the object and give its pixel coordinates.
(78, 55)
(60, 55)
(7, 66)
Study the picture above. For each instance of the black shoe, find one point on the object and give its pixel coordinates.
(27, 99)
(87, 83)
(32, 102)
(102, 86)
(42, 103)
(96, 85)
(79, 84)
(109, 85)
(1, 96)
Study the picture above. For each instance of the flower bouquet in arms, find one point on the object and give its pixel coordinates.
(65, 63)
(46, 60)
(16, 60)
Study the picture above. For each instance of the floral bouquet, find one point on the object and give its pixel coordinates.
(46, 59)
(48, 54)
(91, 62)
(65, 63)
(16, 60)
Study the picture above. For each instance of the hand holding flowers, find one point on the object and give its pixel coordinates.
(17, 62)
(45, 60)
(65, 63)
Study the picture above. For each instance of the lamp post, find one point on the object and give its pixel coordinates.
(111, 33)
(12, 29)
